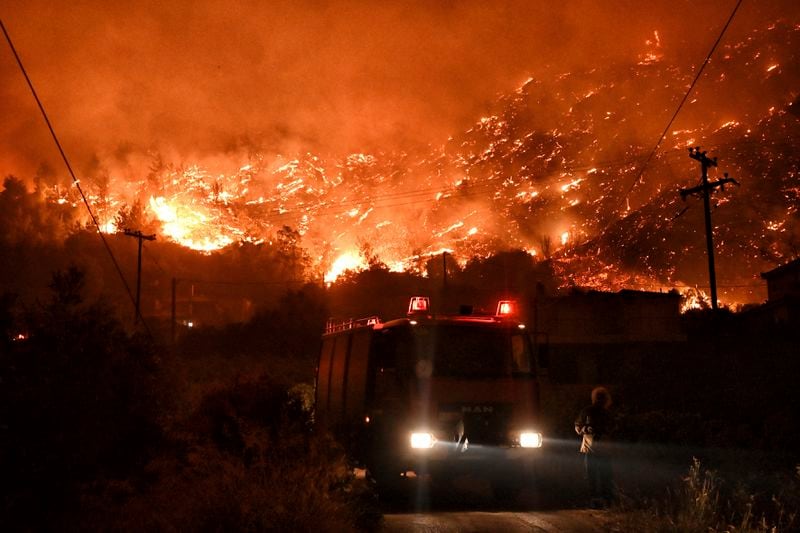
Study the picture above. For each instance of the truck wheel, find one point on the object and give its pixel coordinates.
(388, 482)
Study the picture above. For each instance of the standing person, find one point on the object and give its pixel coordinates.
(594, 425)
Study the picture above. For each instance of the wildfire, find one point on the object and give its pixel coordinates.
(188, 227)
(517, 179)
(692, 299)
(345, 262)
(653, 52)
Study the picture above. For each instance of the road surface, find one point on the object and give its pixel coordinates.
(468, 505)
(486, 521)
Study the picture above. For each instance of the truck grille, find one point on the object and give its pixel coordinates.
(483, 423)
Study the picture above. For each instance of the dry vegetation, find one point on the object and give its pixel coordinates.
(102, 430)
(705, 501)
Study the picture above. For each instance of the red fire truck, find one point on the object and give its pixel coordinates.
(436, 395)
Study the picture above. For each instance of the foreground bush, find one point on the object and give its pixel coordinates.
(304, 489)
(705, 502)
(100, 430)
(79, 402)
(245, 461)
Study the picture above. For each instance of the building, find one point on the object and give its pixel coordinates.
(782, 309)
(609, 317)
(784, 281)
(596, 337)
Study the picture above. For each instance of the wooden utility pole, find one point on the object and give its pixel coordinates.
(138, 234)
(444, 270)
(174, 318)
(705, 188)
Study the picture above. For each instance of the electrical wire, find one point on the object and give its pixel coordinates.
(683, 101)
(75, 180)
(487, 184)
(476, 189)
(246, 283)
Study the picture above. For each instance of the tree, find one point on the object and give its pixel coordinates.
(367, 251)
(133, 217)
(292, 255)
(24, 218)
(78, 405)
(546, 245)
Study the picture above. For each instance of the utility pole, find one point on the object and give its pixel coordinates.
(138, 234)
(172, 322)
(444, 270)
(705, 188)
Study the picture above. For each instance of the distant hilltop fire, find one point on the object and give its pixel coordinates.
(550, 169)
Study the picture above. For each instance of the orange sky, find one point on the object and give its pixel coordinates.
(198, 79)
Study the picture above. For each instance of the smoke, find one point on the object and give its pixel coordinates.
(201, 79)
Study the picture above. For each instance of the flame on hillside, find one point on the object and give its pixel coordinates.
(348, 261)
(187, 226)
(557, 180)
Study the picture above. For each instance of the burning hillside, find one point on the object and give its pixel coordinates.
(551, 169)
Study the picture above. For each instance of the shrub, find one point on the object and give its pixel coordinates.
(303, 484)
(245, 461)
(705, 502)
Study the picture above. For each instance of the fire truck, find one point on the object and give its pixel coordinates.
(433, 395)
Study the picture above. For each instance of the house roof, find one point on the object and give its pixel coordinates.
(783, 269)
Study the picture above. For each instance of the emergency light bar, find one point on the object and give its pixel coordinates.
(419, 304)
(506, 308)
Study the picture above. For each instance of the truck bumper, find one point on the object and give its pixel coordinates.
(475, 459)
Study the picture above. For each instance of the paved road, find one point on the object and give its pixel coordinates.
(482, 521)
(469, 505)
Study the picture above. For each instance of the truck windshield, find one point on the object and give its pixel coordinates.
(457, 350)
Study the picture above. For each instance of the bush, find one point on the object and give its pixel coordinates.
(244, 460)
(88, 440)
(78, 403)
(706, 502)
(288, 489)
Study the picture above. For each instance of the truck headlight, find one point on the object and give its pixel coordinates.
(530, 439)
(422, 440)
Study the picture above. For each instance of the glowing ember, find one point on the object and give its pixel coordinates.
(571, 185)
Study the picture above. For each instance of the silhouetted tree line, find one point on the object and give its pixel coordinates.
(45, 235)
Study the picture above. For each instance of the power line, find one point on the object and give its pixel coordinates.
(71, 172)
(469, 191)
(256, 283)
(683, 101)
(489, 183)
(474, 190)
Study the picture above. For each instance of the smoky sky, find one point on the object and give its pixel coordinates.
(199, 78)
